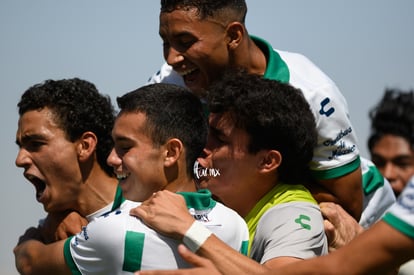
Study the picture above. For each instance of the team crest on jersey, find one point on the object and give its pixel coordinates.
(200, 215)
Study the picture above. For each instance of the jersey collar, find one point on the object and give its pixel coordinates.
(276, 68)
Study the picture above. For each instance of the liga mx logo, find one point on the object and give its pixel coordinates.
(202, 172)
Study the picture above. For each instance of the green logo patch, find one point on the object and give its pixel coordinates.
(301, 219)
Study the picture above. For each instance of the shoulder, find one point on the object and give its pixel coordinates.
(166, 75)
(292, 214)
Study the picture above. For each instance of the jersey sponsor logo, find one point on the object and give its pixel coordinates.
(326, 110)
(300, 220)
(342, 149)
(342, 133)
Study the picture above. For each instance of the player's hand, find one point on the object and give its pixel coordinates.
(60, 226)
(32, 233)
(340, 227)
(202, 266)
(165, 212)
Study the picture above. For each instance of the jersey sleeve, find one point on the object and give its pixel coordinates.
(290, 230)
(166, 75)
(229, 227)
(401, 214)
(336, 153)
(98, 248)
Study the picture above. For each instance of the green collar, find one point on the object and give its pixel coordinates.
(200, 200)
(276, 68)
(119, 198)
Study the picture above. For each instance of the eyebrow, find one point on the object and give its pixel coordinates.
(27, 138)
(119, 138)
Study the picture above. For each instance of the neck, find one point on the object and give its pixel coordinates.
(98, 190)
(184, 184)
(250, 57)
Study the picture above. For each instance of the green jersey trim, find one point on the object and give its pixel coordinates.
(281, 193)
(372, 180)
(68, 257)
(399, 224)
(119, 198)
(337, 172)
(200, 200)
(276, 68)
(244, 248)
(134, 247)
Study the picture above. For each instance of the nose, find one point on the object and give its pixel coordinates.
(172, 56)
(389, 172)
(113, 159)
(23, 159)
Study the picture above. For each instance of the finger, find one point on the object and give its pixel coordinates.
(329, 231)
(331, 212)
(139, 211)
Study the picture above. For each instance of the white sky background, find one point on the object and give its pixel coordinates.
(364, 46)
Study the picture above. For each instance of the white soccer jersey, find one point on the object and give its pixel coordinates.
(401, 214)
(336, 153)
(378, 194)
(118, 243)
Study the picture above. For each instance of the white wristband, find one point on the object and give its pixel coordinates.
(195, 236)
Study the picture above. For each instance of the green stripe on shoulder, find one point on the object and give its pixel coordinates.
(134, 246)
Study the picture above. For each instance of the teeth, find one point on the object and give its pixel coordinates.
(186, 72)
(121, 176)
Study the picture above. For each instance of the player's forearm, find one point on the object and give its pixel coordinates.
(228, 260)
(33, 257)
(346, 191)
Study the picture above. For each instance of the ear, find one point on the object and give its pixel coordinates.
(270, 160)
(174, 150)
(235, 33)
(86, 145)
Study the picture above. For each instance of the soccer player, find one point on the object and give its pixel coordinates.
(64, 138)
(201, 39)
(260, 155)
(160, 131)
(379, 250)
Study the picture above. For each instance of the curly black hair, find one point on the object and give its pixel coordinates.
(171, 112)
(78, 107)
(394, 115)
(275, 115)
(234, 10)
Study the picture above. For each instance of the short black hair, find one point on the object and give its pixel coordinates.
(234, 10)
(171, 112)
(394, 114)
(275, 116)
(77, 107)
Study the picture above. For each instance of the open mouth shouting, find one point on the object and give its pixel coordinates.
(39, 185)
